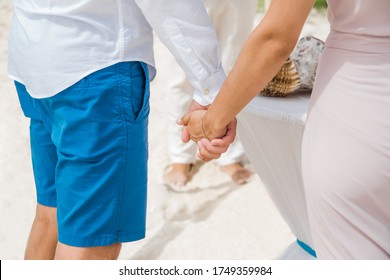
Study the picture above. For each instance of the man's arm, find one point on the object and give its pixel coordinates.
(185, 28)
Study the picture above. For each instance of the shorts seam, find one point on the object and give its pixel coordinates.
(124, 143)
(47, 200)
(101, 240)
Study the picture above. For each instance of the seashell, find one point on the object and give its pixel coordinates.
(305, 56)
(284, 82)
(299, 71)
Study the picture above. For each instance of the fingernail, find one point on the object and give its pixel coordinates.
(214, 143)
(179, 121)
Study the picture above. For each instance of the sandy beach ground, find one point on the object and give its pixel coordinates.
(215, 219)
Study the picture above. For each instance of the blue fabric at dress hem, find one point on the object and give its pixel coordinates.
(307, 248)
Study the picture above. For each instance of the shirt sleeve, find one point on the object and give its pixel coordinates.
(187, 31)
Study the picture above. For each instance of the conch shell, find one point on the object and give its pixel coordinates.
(299, 71)
(284, 82)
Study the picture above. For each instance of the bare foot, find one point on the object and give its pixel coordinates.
(176, 175)
(239, 174)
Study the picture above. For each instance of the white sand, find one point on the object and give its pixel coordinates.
(215, 220)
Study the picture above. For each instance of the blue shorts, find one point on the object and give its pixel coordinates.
(89, 147)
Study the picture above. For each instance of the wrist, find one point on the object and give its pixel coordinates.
(202, 126)
(210, 127)
(196, 106)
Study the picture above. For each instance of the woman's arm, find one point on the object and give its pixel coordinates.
(264, 52)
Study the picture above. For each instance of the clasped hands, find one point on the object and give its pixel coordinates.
(198, 127)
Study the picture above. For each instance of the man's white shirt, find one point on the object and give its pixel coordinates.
(54, 44)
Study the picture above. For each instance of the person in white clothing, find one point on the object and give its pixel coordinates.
(82, 71)
(233, 21)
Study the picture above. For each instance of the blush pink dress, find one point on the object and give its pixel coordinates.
(346, 145)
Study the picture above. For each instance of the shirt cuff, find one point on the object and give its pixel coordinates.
(210, 88)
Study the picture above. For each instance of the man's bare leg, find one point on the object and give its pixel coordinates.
(43, 236)
(66, 252)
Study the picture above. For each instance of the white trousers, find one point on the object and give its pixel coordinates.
(233, 21)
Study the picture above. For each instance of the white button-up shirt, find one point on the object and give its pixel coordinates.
(54, 44)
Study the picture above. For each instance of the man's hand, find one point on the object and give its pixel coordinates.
(185, 136)
(192, 123)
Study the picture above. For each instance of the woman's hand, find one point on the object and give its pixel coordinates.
(213, 149)
(211, 143)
